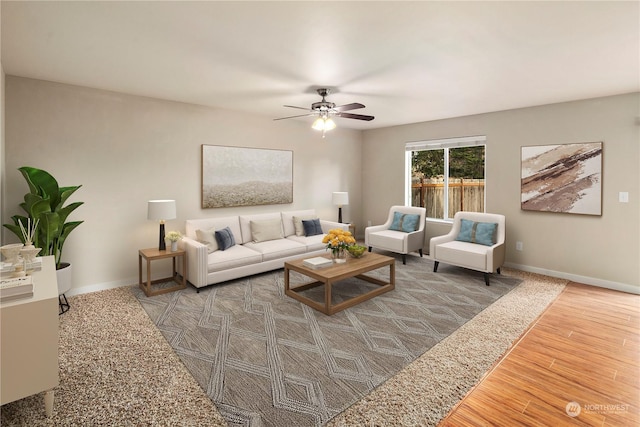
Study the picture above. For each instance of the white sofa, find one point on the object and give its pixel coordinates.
(249, 256)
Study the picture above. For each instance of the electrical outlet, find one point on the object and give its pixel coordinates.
(519, 246)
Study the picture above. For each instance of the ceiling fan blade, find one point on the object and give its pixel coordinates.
(293, 117)
(299, 108)
(355, 116)
(348, 107)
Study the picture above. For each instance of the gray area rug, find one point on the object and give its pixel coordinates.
(266, 359)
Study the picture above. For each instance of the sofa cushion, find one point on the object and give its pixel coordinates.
(288, 221)
(312, 243)
(208, 237)
(463, 254)
(389, 239)
(235, 256)
(266, 229)
(298, 223)
(245, 224)
(483, 233)
(225, 238)
(404, 222)
(233, 222)
(275, 249)
(312, 227)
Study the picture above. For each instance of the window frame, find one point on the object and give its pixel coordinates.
(442, 144)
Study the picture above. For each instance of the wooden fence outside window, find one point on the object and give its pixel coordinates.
(464, 195)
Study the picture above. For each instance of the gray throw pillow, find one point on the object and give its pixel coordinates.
(225, 238)
(312, 227)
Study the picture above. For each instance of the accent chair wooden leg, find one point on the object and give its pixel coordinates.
(498, 270)
(486, 279)
(404, 258)
(370, 248)
(435, 266)
(420, 250)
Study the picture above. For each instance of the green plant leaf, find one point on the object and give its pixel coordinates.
(45, 202)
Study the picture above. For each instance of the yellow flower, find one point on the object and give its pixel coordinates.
(338, 238)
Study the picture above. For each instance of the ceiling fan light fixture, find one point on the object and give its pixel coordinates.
(324, 124)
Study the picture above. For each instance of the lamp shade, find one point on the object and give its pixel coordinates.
(161, 209)
(340, 198)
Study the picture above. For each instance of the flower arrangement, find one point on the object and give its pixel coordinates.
(173, 236)
(338, 239)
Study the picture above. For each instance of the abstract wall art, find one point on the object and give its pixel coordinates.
(562, 178)
(237, 176)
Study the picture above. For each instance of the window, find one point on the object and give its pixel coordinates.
(446, 176)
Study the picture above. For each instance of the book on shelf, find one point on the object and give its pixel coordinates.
(317, 262)
(16, 287)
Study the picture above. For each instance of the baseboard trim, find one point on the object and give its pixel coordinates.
(616, 286)
(593, 281)
(101, 287)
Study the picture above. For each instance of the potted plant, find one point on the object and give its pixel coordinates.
(173, 237)
(44, 204)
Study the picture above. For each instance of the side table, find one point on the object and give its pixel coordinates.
(153, 254)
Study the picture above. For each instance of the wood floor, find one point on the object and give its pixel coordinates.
(578, 364)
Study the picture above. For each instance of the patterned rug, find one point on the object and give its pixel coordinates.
(266, 359)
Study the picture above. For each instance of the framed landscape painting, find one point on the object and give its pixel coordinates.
(562, 178)
(238, 176)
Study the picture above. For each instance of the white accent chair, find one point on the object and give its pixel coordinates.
(380, 237)
(474, 256)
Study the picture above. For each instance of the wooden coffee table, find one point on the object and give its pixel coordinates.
(327, 276)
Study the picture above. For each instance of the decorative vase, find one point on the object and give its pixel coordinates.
(174, 246)
(29, 253)
(11, 252)
(339, 255)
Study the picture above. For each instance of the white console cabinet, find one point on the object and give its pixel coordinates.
(29, 340)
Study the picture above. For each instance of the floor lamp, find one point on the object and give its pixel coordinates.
(161, 210)
(340, 198)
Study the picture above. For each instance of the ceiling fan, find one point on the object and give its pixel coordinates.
(325, 110)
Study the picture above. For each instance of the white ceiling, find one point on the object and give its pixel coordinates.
(406, 61)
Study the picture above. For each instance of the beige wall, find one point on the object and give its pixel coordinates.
(601, 250)
(125, 150)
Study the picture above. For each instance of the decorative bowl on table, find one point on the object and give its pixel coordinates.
(357, 251)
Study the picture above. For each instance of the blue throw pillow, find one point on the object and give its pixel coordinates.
(483, 233)
(404, 222)
(311, 227)
(225, 238)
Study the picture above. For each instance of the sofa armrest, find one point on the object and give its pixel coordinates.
(373, 229)
(197, 266)
(438, 240)
(415, 240)
(495, 257)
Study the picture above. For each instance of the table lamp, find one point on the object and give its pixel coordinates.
(161, 210)
(340, 198)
